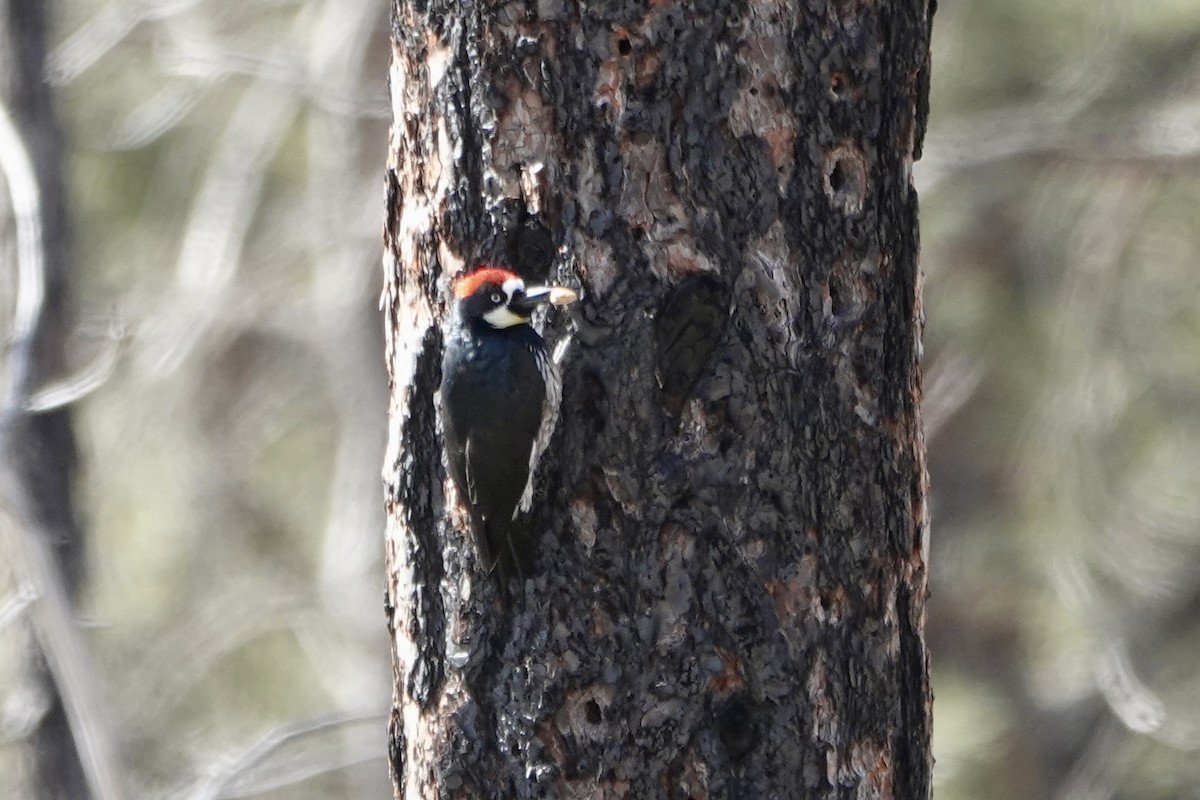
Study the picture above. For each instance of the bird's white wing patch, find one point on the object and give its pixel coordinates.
(553, 380)
(470, 487)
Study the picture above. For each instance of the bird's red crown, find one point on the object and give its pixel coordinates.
(467, 285)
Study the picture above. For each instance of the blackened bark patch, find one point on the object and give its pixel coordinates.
(922, 87)
(727, 181)
(392, 202)
(531, 246)
(396, 747)
(688, 329)
(736, 724)
(607, 153)
(421, 481)
(465, 221)
(914, 775)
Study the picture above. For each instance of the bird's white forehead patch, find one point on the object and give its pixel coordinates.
(512, 286)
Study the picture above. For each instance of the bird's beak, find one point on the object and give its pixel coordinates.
(525, 303)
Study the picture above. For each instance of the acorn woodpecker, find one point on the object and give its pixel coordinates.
(499, 402)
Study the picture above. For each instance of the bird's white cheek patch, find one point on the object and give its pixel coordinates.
(503, 317)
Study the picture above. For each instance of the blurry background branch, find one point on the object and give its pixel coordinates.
(294, 753)
(35, 569)
(74, 752)
(74, 672)
(225, 164)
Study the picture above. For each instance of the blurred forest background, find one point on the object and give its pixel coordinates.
(224, 172)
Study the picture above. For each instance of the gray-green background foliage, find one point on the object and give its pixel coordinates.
(225, 163)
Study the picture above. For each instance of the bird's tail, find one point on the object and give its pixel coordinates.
(507, 549)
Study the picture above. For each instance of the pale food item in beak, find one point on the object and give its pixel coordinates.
(562, 296)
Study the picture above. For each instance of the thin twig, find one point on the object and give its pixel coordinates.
(16, 604)
(75, 387)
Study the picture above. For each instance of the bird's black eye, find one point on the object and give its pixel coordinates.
(497, 297)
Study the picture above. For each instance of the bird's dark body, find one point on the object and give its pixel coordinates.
(492, 400)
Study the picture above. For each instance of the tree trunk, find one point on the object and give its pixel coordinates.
(39, 448)
(730, 592)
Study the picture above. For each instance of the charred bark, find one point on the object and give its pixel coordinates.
(730, 593)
